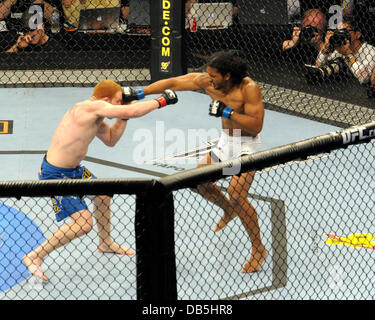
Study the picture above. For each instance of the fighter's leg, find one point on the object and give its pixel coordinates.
(213, 193)
(102, 213)
(81, 224)
(238, 192)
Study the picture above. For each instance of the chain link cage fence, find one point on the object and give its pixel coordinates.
(66, 43)
(284, 44)
(96, 275)
(298, 200)
(305, 226)
(305, 209)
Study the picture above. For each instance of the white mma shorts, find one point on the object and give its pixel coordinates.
(232, 147)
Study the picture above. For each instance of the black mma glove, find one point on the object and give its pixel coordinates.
(168, 97)
(219, 109)
(129, 94)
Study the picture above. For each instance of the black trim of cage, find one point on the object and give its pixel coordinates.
(276, 156)
(154, 221)
(47, 188)
(154, 224)
(155, 243)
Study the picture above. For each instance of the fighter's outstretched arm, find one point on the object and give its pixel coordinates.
(190, 81)
(135, 110)
(110, 135)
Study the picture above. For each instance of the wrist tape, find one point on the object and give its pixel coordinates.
(227, 112)
(140, 94)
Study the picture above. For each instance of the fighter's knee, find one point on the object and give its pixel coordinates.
(236, 198)
(87, 226)
(84, 224)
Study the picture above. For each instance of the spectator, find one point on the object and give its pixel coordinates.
(34, 37)
(311, 31)
(72, 9)
(5, 9)
(357, 54)
(11, 12)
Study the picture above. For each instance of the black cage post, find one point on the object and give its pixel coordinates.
(166, 39)
(156, 261)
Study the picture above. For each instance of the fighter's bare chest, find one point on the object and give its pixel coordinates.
(234, 99)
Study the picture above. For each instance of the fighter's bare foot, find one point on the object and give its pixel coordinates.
(35, 266)
(115, 248)
(255, 262)
(226, 218)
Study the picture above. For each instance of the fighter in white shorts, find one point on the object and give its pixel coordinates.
(237, 100)
(232, 147)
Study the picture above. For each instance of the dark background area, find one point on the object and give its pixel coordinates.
(269, 64)
(260, 44)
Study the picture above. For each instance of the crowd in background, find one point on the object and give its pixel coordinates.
(327, 44)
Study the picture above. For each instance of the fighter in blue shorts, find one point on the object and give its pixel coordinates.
(75, 132)
(65, 206)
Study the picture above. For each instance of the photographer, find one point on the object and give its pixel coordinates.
(34, 37)
(346, 43)
(311, 31)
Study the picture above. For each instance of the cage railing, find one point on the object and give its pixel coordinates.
(157, 202)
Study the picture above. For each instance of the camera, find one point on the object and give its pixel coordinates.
(317, 74)
(307, 34)
(339, 38)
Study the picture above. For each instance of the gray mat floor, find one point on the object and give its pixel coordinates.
(37, 111)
